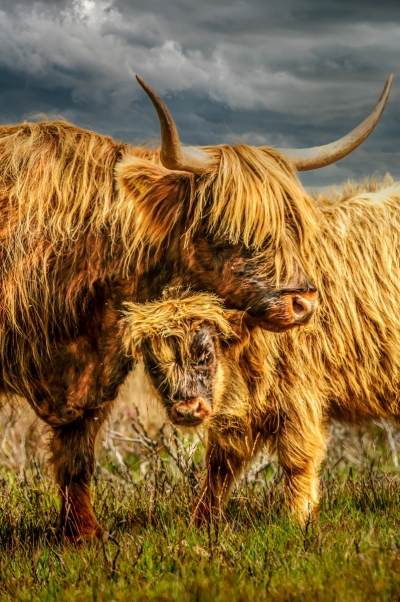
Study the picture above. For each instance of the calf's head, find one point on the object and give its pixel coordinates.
(179, 341)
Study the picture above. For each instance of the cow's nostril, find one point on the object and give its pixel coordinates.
(189, 407)
(299, 306)
(197, 409)
(303, 308)
(182, 410)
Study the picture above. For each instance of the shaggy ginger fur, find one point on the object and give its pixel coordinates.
(179, 338)
(170, 326)
(171, 317)
(279, 213)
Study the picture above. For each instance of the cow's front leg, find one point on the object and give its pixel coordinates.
(73, 458)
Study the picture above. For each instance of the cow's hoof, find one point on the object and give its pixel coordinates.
(80, 534)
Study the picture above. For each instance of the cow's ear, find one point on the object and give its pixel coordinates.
(158, 197)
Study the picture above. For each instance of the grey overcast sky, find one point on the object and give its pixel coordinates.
(282, 72)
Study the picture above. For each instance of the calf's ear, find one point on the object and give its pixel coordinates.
(158, 196)
(238, 324)
(133, 330)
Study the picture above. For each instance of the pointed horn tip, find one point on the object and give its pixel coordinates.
(155, 99)
(313, 158)
(141, 81)
(387, 87)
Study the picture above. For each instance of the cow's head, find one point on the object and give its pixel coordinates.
(234, 219)
(178, 339)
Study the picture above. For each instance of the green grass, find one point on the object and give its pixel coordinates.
(351, 553)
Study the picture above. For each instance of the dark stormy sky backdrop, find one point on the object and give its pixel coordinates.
(283, 72)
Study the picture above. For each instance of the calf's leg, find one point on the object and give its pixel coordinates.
(301, 448)
(73, 459)
(224, 467)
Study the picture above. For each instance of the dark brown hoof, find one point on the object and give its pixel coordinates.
(201, 513)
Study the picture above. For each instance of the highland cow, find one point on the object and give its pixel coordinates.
(283, 390)
(88, 224)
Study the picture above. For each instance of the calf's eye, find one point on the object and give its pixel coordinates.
(205, 358)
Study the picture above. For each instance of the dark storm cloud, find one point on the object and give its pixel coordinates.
(287, 73)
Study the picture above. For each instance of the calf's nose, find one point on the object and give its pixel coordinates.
(190, 412)
(187, 410)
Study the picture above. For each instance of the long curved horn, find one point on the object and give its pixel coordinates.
(173, 155)
(305, 159)
(188, 158)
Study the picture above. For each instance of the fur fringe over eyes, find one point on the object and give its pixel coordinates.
(250, 195)
(174, 315)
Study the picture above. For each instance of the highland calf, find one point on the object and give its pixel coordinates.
(88, 224)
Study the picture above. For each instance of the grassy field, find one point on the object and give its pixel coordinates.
(143, 493)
